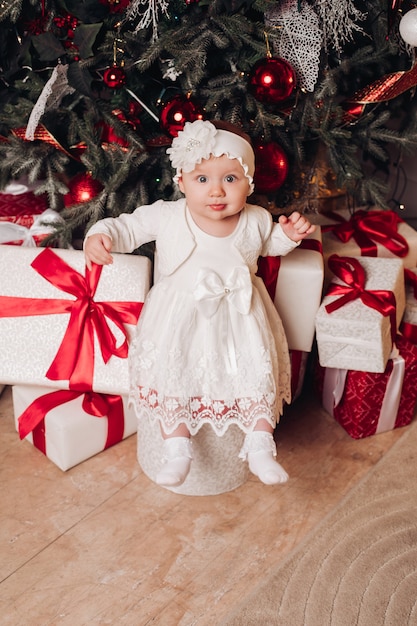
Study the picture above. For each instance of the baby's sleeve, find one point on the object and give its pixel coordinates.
(130, 230)
(277, 243)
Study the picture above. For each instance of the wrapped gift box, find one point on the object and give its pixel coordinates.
(68, 434)
(25, 219)
(20, 205)
(295, 284)
(354, 235)
(356, 335)
(15, 233)
(57, 320)
(367, 403)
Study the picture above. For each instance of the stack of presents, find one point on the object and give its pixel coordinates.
(347, 297)
(64, 338)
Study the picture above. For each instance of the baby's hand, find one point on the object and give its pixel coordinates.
(296, 226)
(97, 250)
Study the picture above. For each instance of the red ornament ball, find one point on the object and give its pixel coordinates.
(82, 188)
(272, 80)
(114, 77)
(177, 111)
(271, 167)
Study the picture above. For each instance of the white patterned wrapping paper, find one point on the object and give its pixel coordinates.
(333, 245)
(298, 294)
(355, 336)
(71, 434)
(29, 344)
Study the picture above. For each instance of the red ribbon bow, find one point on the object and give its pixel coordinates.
(368, 228)
(96, 404)
(351, 272)
(74, 360)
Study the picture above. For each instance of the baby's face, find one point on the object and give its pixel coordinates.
(216, 189)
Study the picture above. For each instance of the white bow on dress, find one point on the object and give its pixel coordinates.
(210, 290)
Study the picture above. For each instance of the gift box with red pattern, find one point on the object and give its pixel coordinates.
(68, 426)
(295, 284)
(360, 314)
(371, 232)
(64, 326)
(366, 403)
(41, 226)
(24, 216)
(19, 205)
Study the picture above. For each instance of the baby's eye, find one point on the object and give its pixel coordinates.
(202, 179)
(230, 178)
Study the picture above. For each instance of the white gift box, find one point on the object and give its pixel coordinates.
(30, 341)
(71, 435)
(298, 291)
(356, 336)
(332, 244)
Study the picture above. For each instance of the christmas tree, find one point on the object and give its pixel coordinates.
(93, 91)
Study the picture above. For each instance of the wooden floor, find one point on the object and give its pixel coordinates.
(101, 544)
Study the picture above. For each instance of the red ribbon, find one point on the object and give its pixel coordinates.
(296, 359)
(268, 270)
(268, 266)
(368, 228)
(74, 360)
(351, 272)
(96, 404)
(409, 331)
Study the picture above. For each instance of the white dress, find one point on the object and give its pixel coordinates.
(210, 346)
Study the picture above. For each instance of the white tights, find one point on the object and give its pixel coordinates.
(258, 449)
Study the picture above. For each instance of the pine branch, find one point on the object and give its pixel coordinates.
(10, 9)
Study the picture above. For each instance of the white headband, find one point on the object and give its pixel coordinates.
(201, 139)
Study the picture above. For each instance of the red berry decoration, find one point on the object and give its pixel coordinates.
(82, 188)
(271, 167)
(177, 111)
(272, 80)
(114, 77)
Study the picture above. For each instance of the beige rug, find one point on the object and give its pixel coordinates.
(358, 567)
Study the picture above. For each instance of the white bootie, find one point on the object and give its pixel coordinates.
(177, 456)
(259, 450)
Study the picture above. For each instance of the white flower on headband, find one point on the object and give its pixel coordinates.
(194, 143)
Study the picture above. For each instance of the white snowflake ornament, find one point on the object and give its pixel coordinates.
(298, 39)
